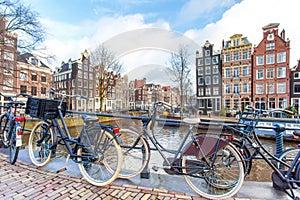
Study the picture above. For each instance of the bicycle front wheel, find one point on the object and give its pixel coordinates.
(136, 153)
(217, 176)
(100, 163)
(13, 149)
(40, 142)
(4, 129)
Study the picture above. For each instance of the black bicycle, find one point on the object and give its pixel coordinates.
(12, 126)
(285, 164)
(96, 151)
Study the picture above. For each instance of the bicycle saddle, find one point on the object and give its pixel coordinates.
(87, 118)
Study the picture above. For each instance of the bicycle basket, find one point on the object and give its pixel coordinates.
(44, 108)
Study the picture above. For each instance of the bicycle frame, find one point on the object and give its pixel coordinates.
(182, 149)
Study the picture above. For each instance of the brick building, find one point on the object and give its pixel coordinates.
(271, 81)
(236, 72)
(33, 76)
(8, 61)
(209, 79)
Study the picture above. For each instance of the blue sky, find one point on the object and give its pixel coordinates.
(76, 25)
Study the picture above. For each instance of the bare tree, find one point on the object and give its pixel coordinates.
(179, 72)
(107, 68)
(22, 20)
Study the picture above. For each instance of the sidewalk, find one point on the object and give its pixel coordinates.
(25, 181)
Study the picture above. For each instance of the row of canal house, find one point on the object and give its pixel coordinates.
(243, 74)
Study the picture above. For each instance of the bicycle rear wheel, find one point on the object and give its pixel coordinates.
(100, 163)
(40, 141)
(13, 149)
(213, 177)
(136, 153)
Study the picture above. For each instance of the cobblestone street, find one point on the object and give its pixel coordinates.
(23, 181)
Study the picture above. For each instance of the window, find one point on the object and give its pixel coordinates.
(227, 88)
(207, 70)
(215, 69)
(245, 70)
(207, 61)
(207, 52)
(200, 71)
(79, 83)
(281, 87)
(296, 75)
(207, 91)
(215, 79)
(85, 84)
(236, 72)
(227, 73)
(33, 90)
(236, 56)
(227, 57)
(245, 55)
(270, 59)
(23, 89)
(207, 80)
(8, 56)
(297, 88)
(270, 46)
(201, 103)
(79, 74)
(8, 68)
(236, 88)
(33, 77)
(200, 81)
(259, 74)
(200, 61)
(245, 88)
(260, 60)
(272, 103)
(200, 92)
(282, 102)
(270, 88)
(43, 78)
(259, 88)
(281, 72)
(85, 75)
(281, 57)
(43, 91)
(91, 76)
(227, 103)
(270, 73)
(209, 103)
(23, 75)
(215, 60)
(215, 91)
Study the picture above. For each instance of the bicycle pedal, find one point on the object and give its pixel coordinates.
(155, 168)
(61, 170)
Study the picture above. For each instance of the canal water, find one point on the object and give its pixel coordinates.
(171, 137)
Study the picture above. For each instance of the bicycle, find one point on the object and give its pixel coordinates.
(285, 164)
(200, 160)
(12, 126)
(96, 150)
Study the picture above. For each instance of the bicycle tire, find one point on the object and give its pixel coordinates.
(39, 149)
(135, 152)
(101, 162)
(287, 156)
(4, 129)
(13, 150)
(219, 179)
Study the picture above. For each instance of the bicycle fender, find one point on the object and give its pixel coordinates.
(204, 146)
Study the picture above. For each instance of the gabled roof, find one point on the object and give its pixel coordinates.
(25, 58)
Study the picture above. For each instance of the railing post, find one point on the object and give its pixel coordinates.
(146, 171)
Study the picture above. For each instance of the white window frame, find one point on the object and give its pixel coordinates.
(281, 72)
(259, 88)
(259, 74)
(260, 60)
(270, 58)
(281, 87)
(281, 57)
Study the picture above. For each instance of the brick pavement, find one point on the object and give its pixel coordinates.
(24, 181)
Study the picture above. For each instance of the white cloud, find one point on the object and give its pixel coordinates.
(248, 18)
